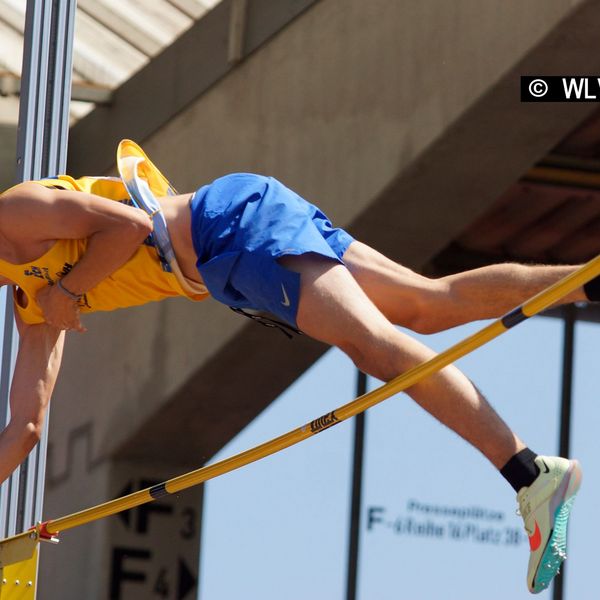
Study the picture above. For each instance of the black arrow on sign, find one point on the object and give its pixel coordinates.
(187, 580)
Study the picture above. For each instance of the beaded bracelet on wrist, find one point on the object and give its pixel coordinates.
(64, 290)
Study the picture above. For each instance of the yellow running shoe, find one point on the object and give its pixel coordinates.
(545, 506)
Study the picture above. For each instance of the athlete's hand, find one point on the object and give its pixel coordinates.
(59, 310)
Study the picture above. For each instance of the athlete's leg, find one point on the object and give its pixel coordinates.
(429, 305)
(334, 309)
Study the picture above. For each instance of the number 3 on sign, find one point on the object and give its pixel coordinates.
(188, 530)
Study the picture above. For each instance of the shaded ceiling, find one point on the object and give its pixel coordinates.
(550, 215)
(113, 40)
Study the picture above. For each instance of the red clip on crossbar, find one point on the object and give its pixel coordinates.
(44, 534)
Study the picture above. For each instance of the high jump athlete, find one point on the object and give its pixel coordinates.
(96, 244)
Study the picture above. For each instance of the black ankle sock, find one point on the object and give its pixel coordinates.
(592, 290)
(520, 470)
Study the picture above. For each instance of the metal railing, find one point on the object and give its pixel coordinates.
(41, 151)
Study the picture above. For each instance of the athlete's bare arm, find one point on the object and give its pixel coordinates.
(36, 370)
(33, 217)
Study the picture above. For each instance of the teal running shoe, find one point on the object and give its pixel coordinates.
(545, 506)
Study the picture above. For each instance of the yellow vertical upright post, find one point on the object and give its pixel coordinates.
(18, 566)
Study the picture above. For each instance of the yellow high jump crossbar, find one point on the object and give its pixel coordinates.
(533, 306)
(543, 300)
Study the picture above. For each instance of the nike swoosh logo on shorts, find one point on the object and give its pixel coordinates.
(286, 298)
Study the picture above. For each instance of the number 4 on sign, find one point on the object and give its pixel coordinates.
(161, 586)
(186, 582)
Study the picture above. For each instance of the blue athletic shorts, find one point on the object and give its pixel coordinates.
(241, 225)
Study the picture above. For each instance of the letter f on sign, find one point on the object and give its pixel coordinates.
(374, 516)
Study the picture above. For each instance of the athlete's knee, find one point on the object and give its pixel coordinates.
(376, 359)
(428, 310)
